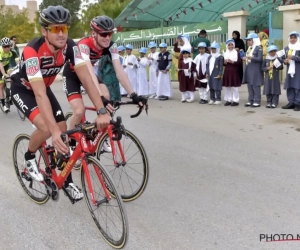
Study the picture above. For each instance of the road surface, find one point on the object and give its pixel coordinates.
(219, 177)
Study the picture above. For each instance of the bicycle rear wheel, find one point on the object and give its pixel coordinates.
(35, 190)
(131, 177)
(101, 181)
(22, 116)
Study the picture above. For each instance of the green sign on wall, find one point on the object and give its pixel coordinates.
(211, 28)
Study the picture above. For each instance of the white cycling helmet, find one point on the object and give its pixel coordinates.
(5, 41)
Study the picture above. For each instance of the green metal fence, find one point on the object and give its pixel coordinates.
(216, 31)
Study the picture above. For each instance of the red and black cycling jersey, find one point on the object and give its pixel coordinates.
(39, 63)
(90, 52)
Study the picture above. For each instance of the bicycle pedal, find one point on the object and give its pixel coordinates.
(67, 194)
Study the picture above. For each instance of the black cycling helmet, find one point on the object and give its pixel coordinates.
(102, 24)
(54, 15)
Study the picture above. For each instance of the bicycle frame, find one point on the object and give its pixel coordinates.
(82, 149)
(94, 144)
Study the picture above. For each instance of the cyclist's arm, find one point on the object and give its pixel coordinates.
(86, 79)
(32, 65)
(120, 73)
(94, 77)
(122, 76)
(85, 52)
(2, 69)
(83, 73)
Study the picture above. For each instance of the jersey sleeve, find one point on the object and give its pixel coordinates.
(84, 50)
(113, 49)
(73, 54)
(32, 64)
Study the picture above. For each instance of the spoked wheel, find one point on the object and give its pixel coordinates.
(109, 212)
(131, 177)
(35, 190)
(67, 117)
(22, 116)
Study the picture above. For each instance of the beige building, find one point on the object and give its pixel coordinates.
(31, 7)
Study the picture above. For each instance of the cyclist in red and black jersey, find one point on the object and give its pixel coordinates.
(41, 61)
(92, 48)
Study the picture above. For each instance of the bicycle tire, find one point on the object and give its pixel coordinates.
(22, 116)
(32, 196)
(116, 243)
(67, 116)
(121, 174)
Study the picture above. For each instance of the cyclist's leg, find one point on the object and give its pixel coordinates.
(105, 93)
(2, 90)
(73, 92)
(24, 100)
(73, 190)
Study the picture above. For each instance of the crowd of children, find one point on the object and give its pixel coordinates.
(159, 63)
(211, 71)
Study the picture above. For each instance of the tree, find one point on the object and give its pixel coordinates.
(16, 24)
(73, 6)
(111, 8)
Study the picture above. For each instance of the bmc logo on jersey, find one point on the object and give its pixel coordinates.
(77, 53)
(20, 102)
(32, 66)
(51, 71)
(84, 49)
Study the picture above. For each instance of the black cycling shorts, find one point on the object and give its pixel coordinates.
(24, 99)
(72, 83)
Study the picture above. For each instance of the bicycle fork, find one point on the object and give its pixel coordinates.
(113, 149)
(90, 186)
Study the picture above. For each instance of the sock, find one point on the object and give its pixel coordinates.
(3, 102)
(68, 180)
(191, 95)
(183, 95)
(29, 155)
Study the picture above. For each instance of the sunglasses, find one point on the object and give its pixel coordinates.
(59, 28)
(105, 34)
(6, 46)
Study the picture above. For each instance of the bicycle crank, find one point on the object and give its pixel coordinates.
(52, 189)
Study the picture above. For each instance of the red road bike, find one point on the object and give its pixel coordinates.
(101, 194)
(127, 162)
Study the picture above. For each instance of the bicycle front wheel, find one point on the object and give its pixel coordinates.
(108, 213)
(131, 176)
(35, 190)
